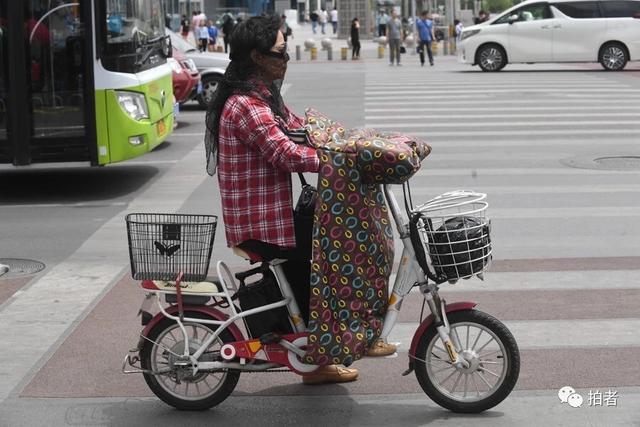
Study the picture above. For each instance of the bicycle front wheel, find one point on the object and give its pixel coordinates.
(492, 354)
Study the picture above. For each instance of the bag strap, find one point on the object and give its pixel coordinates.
(302, 180)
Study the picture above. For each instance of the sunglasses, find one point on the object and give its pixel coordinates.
(281, 54)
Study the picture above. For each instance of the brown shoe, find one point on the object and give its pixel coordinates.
(381, 348)
(331, 374)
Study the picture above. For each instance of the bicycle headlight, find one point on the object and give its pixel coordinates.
(468, 33)
(134, 104)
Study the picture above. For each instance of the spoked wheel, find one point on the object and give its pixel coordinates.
(613, 57)
(175, 384)
(491, 57)
(493, 357)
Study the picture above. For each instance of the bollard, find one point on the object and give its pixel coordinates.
(330, 54)
(314, 53)
(380, 52)
(434, 48)
(446, 47)
(343, 53)
(298, 49)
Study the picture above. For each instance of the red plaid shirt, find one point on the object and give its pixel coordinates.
(255, 161)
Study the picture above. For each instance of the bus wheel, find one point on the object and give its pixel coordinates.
(209, 86)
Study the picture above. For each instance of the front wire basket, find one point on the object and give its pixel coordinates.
(163, 245)
(456, 233)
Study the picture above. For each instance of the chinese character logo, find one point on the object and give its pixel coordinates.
(568, 395)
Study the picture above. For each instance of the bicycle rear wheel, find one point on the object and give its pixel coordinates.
(494, 363)
(176, 385)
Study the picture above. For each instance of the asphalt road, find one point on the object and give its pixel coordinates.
(554, 146)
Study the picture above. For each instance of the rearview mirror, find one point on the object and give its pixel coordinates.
(513, 18)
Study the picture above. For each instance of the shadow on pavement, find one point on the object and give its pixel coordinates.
(316, 411)
(73, 185)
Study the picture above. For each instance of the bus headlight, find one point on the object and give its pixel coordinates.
(468, 33)
(134, 104)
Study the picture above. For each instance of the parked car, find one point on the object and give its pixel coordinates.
(186, 78)
(605, 31)
(211, 66)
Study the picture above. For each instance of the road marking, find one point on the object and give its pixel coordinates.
(501, 124)
(458, 108)
(64, 205)
(521, 171)
(188, 134)
(535, 334)
(48, 308)
(556, 189)
(475, 100)
(537, 132)
(465, 117)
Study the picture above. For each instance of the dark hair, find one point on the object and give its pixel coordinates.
(257, 33)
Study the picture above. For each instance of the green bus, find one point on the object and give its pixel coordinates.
(83, 80)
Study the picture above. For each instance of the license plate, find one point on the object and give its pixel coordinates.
(162, 128)
(199, 90)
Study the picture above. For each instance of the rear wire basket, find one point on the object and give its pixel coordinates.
(456, 232)
(163, 245)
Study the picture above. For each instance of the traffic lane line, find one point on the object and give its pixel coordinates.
(98, 345)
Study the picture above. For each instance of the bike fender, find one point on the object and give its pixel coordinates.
(449, 308)
(209, 311)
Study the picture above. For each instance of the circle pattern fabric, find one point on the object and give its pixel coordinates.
(352, 236)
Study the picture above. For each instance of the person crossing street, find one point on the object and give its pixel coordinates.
(426, 36)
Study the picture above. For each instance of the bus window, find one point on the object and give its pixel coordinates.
(134, 30)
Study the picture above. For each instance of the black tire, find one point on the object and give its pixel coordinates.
(491, 57)
(226, 384)
(209, 85)
(510, 365)
(613, 56)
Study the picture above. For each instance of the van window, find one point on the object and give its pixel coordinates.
(620, 9)
(579, 9)
(531, 12)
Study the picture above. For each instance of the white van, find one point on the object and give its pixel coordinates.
(605, 31)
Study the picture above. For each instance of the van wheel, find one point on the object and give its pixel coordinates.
(613, 57)
(491, 57)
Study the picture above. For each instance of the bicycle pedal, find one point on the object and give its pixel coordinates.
(270, 338)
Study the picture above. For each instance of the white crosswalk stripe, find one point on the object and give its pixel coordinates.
(513, 137)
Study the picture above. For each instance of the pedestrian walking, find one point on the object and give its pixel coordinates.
(322, 18)
(458, 29)
(185, 25)
(285, 28)
(203, 36)
(394, 36)
(355, 38)
(213, 35)
(314, 21)
(227, 29)
(382, 23)
(334, 20)
(426, 36)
